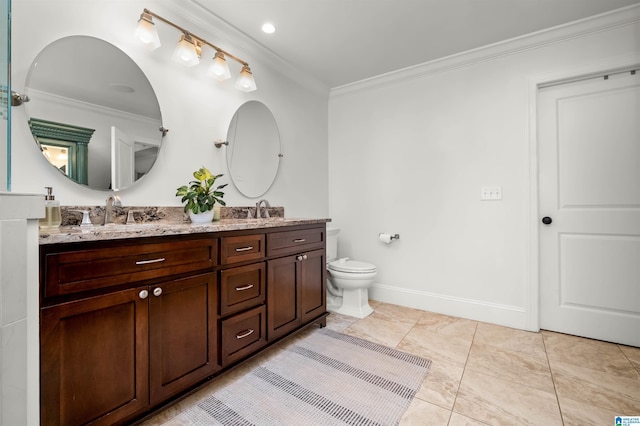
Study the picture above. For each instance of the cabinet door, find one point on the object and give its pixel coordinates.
(283, 314)
(182, 334)
(94, 359)
(312, 285)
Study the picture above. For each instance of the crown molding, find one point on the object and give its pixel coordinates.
(193, 12)
(54, 99)
(603, 22)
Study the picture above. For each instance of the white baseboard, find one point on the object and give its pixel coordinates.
(478, 310)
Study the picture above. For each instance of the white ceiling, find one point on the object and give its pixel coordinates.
(344, 41)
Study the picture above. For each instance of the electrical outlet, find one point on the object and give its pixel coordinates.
(491, 193)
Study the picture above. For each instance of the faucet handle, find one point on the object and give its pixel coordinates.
(86, 220)
(131, 220)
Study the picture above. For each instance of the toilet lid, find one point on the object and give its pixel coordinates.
(346, 265)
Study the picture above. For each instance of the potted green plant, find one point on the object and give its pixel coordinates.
(200, 195)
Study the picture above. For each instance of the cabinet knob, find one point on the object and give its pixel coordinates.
(157, 291)
(304, 256)
(143, 294)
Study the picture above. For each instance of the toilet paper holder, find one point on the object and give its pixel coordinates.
(391, 236)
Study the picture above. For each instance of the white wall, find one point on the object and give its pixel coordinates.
(409, 152)
(196, 109)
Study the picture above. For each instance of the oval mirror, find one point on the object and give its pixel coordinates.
(93, 113)
(253, 153)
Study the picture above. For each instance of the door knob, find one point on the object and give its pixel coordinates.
(546, 220)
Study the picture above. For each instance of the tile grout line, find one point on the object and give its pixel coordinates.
(637, 368)
(553, 380)
(464, 370)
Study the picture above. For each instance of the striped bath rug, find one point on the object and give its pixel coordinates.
(325, 378)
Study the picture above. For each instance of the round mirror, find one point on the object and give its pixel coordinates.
(253, 153)
(93, 113)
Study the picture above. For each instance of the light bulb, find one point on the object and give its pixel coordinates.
(219, 69)
(245, 81)
(146, 32)
(185, 52)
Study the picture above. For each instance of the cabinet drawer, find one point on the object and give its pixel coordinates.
(243, 334)
(89, 269)
(241, 248)
(241, 288)
(290, 242)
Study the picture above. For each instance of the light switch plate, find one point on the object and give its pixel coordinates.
(491, 193)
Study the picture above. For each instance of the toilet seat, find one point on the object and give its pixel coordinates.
(351, 266)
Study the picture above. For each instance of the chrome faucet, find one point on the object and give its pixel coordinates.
(267, 206)
(111, 202)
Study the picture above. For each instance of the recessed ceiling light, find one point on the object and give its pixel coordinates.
(268, 28)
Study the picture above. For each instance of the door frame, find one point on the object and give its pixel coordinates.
(532, 285)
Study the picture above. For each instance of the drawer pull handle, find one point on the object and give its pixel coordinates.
(244, 248)
(246, 287)
(249, 332)
(299, 240)
(146, 262)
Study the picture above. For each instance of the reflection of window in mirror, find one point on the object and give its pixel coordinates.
(58, 156)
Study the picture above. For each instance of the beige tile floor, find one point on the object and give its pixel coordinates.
(488, 374)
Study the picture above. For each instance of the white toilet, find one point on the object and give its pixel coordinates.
(348, 281)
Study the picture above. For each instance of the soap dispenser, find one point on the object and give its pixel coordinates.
(52, 217)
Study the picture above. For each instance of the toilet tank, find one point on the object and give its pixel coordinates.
(332, 244)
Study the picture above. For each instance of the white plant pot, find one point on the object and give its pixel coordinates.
(205, 217)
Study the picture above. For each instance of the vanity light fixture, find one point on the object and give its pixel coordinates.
(186, 52)
(189, 51)
(219, 69)
(146, 32)
(245, 82)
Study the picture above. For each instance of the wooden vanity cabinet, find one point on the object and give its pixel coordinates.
(128, 324)
(296, 290)
(108, 357)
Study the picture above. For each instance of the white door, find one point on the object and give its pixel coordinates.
(589, 183)
(122, 159)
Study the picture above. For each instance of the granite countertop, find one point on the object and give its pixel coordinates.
(71, 234)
